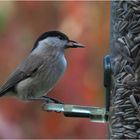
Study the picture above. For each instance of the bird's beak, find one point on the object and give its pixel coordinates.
(73, 44)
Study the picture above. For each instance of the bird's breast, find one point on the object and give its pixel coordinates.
(54, 70)
(64, 62)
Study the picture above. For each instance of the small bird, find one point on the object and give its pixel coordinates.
(41, 69)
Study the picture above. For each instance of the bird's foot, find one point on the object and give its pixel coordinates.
(47, 100)
(51, 100)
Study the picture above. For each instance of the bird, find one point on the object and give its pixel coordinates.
(39, 72)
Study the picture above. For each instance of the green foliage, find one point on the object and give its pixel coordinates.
(3, 21)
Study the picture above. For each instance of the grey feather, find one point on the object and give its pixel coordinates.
(22, 72)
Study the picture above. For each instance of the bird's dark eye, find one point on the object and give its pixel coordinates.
(60, 37)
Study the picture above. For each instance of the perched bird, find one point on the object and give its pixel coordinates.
(41, 69)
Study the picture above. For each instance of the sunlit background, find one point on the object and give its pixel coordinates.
(20, 24)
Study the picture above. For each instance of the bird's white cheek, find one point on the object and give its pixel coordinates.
(39, 49)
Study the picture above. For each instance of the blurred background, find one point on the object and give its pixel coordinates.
(20, 24)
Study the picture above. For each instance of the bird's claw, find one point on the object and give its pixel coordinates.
(51, 100)
(47, 100)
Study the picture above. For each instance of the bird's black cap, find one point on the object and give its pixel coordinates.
(58, 34)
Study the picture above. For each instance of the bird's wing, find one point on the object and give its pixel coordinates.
(29, 66)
